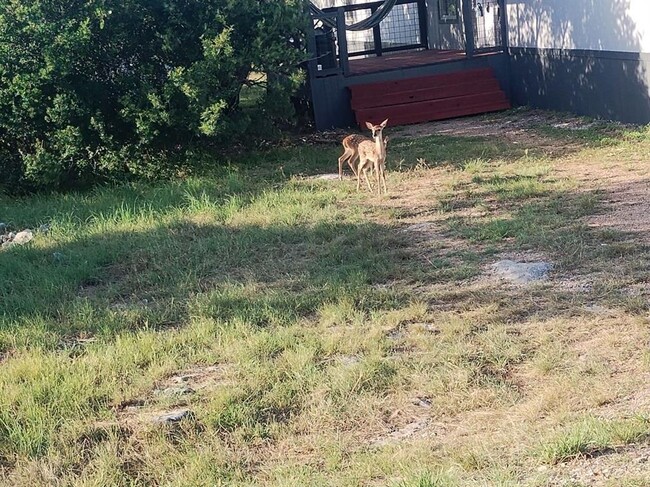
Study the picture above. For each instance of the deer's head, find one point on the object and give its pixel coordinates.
(377, 129)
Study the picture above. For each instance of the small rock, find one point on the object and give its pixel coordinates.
(430, 328)
(542, 468)
(58, 256)
(23, 237)
(44, 228)
(179, 379)
(3, 227)
(600, 310)
(349, 360)
(7, 244)
(395, 334)
(172, 416)
(328, 177)
(174, 391)
(522, 272)
(423, 402)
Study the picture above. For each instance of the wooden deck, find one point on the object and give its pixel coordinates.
(404, 59)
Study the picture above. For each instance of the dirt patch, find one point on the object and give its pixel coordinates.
(515, 126)
(627, 208)
(603, 468)
(631, 405)
(417, 428)
(511, 123)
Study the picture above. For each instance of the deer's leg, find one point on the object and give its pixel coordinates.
(383, 177)
(359, 168)
(352, 160)
(346, 156)
(365, 173)
(377, 167)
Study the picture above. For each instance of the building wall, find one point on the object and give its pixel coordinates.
(441, 35)
(603, 25)
(590, 57)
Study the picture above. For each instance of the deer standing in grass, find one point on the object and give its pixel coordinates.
(372, 155)
(351, 147)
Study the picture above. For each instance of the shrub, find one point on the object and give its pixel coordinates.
(96, 89)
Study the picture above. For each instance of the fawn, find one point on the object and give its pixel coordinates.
(351, 147)
(372, 155)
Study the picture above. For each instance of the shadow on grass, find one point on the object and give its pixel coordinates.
(279, 274)
(258, 275)
(126, 201)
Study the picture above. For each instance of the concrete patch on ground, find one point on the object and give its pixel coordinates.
(521, 272)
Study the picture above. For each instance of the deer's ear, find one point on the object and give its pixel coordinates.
(385, 140)
(384, 123)
(369, 125)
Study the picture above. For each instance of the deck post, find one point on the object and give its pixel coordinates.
(341, 35)
(424, 23)
(503, 9)
(468, 17)
(376, 36)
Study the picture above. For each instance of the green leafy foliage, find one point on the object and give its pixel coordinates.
(98, 89)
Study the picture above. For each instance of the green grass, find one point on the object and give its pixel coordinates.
(325, 319)
(593, 436)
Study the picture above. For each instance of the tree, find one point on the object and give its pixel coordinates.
(92, 89)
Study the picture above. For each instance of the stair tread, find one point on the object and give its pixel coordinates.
(420, 117)
(426, 81)
(428, 98)
(442, 102)
(424, 94)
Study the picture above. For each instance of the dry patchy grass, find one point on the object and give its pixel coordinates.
(324, 337)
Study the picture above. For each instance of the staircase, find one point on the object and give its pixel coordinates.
(429, 98)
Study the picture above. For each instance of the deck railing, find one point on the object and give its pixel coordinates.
(488, 25)
(405, 28)
(328, 45)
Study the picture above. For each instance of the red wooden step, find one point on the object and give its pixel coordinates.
(419, 95)
(366, 90)
(420, 117)
(432, 106)
(429, 98)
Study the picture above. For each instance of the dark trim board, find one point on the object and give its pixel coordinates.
(604, 84)
(331, 96)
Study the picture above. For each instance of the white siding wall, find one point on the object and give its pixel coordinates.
(608, 25)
